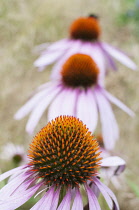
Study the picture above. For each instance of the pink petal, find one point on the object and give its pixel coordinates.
(9, 173)
(110, 193)
(118, 103)
(120, 56)
(13, 185)
(109, 126)
(46, 200)
(40, 108)
(65, 204)
(14, 202)
(62, 104)
(112, 161)
(77, 204)
(92, 199)
(104, 192)
(55, 199)
(31, 103)
(87, 109)
(48, 58)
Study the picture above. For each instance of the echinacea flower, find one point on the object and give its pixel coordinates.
(79, 92)
(84, 37)
(14, 153)
(64, 158)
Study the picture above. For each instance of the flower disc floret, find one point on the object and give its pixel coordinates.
(85, 28)
(79, 70)
(64, 153)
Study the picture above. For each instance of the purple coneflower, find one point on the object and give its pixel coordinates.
(84, 37)
(63, 158)
(14, 153)
(79, 93)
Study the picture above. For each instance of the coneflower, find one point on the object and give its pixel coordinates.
(84, 37)
(78, 92)
(64, 158)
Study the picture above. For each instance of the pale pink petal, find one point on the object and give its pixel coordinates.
(62, 44)
(13, 185)
(48, 58)
(64, 104)
(110, 130)
(77, 204)
(40, 108)
(112, 161)
(120, 56)
(104, 193)
(74, 48)
(55, 199)
(9, 173)
(14, 202)
(105, 190)
(46, 200)
(118, 103)
(92, 199)
(66, 202)
(87, 109)
(31, 103)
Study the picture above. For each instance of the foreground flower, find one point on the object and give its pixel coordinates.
(14, 153)
(64, 157)
(79, 93)
(84, 37)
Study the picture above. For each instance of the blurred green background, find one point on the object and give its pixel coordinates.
(25, 24)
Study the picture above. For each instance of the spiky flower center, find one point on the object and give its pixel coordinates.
(80, 70)
(85, 28)
(64, 152)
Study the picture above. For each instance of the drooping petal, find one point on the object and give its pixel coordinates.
(31, 103)
(92, 199)
(45, 201)
(13, 185)
(112, 161)
(110, 62)
(105, 190)
(104, 193)
(48, 58)
(118, 103)
(77, 204)
(40, 108)
(55, 199)
(110, 130)
(9, 173)
(14, 202)
(65, 204)
(62, 104)
(87, 109)
(52, 53)
(120, 56)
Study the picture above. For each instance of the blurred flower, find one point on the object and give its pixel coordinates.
(14, 153)
(84, 37)
(113, 167)
(78, 93)
(64, 157)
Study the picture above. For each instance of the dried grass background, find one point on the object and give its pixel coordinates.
(25, 24)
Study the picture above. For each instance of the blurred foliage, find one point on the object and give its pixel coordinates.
(130, 16)
(134, 187)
